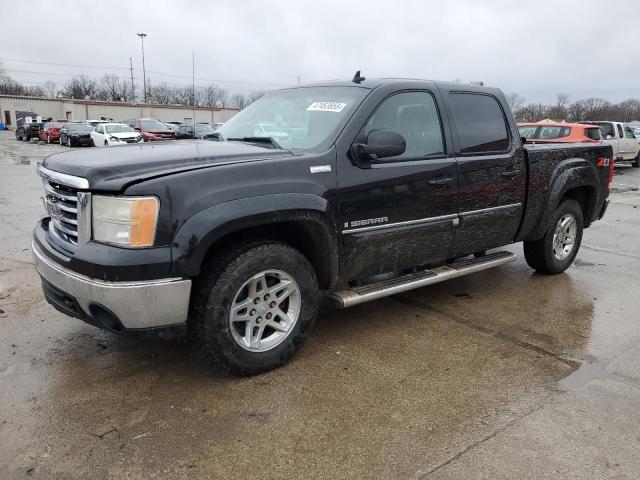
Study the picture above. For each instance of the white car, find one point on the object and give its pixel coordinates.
(626, 147)
(110, 134)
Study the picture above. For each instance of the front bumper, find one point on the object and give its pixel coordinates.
(115, 306)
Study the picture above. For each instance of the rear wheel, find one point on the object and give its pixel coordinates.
(254, 306)
(555, 252)
(636, 162)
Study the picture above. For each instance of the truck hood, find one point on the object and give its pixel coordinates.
(114, 169)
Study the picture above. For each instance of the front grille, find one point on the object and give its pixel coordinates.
(61, 203)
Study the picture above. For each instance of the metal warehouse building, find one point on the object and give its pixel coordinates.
(61, 109)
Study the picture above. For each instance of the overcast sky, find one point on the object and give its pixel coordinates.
(584, 48)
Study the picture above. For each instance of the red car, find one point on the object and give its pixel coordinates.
(50, 132)
(152, 130)
(560, 132)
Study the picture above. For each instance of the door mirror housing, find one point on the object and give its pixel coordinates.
(609, 137)
(380, 144)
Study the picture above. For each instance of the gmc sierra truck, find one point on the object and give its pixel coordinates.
(369, 189)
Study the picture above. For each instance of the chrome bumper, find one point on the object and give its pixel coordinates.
(137, 305)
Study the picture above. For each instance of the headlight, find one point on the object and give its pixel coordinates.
(138, 139)
(129, 221)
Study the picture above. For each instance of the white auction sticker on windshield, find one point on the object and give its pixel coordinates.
(326, 107)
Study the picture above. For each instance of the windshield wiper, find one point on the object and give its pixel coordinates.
(268, 142)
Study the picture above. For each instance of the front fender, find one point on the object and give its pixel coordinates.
(196, 236)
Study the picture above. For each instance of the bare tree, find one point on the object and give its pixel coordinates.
(515, 101)
(80, 87)
(114, 88)
(238, 101)
(51, 88)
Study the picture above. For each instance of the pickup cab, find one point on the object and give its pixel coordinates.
(626, 147)
(373, 187)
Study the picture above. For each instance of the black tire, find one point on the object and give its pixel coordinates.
(214, 293)
(540, 253)
(636, 162)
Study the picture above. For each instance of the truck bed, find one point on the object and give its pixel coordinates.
(552, 167)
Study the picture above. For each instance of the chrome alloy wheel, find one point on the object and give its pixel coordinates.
(265, 310)
(564, 237)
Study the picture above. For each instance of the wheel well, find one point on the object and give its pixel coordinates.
(585, 196)
(308, 237)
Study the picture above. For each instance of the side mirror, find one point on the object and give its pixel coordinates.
(380, 144)
(609, 137)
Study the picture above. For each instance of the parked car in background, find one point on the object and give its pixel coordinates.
(50, 132)
(202, 130)
(626, 147)
(175, 126)
(97, 122)
(152, 130)
(28, 127)
(76, 134)
(109, 134)
(560, 132)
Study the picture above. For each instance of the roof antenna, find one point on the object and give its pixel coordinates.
(357, 78)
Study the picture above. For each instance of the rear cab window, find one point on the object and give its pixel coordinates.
(481, 124)
(593, 133)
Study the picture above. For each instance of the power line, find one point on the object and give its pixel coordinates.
(71, 75)
(214, 80)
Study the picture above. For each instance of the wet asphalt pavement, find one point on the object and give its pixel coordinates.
(499, 375)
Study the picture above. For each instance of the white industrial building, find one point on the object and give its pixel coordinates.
(68, 109)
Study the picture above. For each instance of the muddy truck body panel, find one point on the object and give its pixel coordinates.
(374, 185)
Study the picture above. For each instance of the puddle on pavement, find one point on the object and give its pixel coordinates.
(582, 376)
(25, 159)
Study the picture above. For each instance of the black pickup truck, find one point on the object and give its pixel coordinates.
(362, 189)
(28, 126)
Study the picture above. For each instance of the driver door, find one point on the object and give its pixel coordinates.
(399, 212)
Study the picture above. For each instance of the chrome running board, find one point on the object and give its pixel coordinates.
(374, 291)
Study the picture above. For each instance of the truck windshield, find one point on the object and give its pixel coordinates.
(528, 131)
(299, 118)
(606, 128)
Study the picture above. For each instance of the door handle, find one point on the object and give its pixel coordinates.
(510, 173)
(440, 181)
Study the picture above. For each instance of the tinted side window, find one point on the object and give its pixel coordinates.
(593, 133)
(414, 115)
(628, 132)
(480, 122)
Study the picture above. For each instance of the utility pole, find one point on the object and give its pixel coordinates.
(298, 79)
(133, 91)
(193, 64)
(144, 73)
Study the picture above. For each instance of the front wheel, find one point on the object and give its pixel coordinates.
(636, 162)
(555, 252)
(254, 306)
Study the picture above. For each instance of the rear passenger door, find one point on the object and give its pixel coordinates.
(491, 169)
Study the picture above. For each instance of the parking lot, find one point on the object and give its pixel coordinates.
(501, 374)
